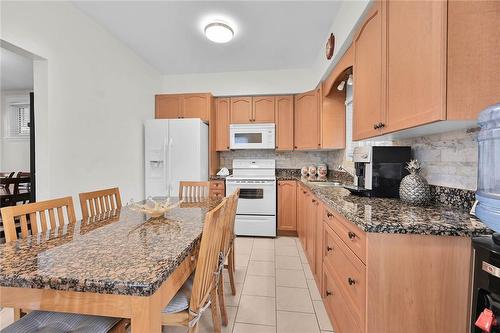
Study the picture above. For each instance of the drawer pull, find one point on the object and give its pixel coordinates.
(351, 281)
(351, 235)
(329, 293)
(330, 215)
(313, 200)
(329, 248)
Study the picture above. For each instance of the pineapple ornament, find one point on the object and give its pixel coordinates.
(414, 188)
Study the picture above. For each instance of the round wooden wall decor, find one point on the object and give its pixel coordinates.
(330, 47)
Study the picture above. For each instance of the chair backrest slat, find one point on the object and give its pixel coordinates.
(193, 191)
(208, 257)
(11, 213)
(230, 216)
(100, 202)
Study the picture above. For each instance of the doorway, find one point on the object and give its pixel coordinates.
(17, 132)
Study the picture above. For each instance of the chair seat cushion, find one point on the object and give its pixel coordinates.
(180, 302)
(57, 322)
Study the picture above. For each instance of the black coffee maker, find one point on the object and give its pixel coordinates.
(379, 170)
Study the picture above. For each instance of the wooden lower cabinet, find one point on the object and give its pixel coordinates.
(217, 189)
(287, 207)
(380, 282)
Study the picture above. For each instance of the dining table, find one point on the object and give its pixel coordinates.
(124, 265)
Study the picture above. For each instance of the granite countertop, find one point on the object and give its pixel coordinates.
(127, 255)
(383, 215)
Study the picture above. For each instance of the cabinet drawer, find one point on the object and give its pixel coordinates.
(217, 185)
(338, 310)
(217, 193)
(348, 232)
(348, 270)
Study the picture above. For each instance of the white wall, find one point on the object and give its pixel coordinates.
(92, 94)
(14, 152)
(279, 81)
(241, 83)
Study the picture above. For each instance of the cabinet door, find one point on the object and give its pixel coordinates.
(241, 110)
(263, 109)
(473, 58)
(287, 198)
(222, 109)
(369, 63)
(168, 106)
(284, 122)
(318, 241)
(307, 131)
(416, 60)
(196, 106)
(301, 215)
(312, 203)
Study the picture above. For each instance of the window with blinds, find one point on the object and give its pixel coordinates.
(23, 120)
(17, 122)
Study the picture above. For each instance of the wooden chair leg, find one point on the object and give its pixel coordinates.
(193, 329)
(230, 271)
(214, 307)
(222, 303)
(17, 314)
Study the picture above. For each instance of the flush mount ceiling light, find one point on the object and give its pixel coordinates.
(219, 32)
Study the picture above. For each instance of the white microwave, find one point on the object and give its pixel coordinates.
(252, 136)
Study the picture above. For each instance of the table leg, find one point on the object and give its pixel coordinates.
(146, 315)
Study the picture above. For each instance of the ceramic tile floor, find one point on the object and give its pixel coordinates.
(275, 291)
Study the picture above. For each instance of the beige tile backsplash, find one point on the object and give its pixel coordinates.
(448, 159)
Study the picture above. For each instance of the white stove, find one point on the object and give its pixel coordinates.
(256, 213)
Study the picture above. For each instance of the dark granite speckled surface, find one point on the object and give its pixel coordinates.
(128, 255)
(394, 216)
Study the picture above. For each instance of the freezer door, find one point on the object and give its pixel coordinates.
(188, 153)
(155, 151)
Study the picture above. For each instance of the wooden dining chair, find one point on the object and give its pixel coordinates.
(184, 310)
(100, 202)
(29, 213)
(228, 250)
(35, 214)
(193, 191)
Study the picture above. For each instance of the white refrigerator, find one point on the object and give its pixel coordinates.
(175, 150)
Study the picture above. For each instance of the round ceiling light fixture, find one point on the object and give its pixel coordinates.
(219, 32)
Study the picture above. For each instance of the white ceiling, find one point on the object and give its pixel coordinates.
(16, 71)
(269, 35)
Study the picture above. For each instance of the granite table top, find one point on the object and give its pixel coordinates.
(381, 215)
(127, 254)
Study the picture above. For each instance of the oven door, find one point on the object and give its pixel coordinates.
(257, 197)
(252, 136)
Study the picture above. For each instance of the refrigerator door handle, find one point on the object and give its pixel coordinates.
(169, 164)
(165, 165)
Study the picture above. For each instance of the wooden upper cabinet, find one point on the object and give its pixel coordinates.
(473, 57)
(168, 106)
(241, 110)
(416, 58)
(287, 200)
(284, 122)
(196, 106)
(263, 109)
(333, 120)
(307, 112)
(173, 106)
(222, 110)
(369, 64)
